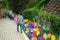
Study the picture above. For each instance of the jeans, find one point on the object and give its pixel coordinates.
(10, 16)
(19, 26)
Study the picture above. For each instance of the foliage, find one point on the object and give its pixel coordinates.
(55, 24)
(30, 13)
(17, 6)
(54, 19)
(36, 3)
(41, 3)
(5, 4)
(20, 5)
(44, 13)
(32, 3)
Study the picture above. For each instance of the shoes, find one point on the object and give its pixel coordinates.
(21, 31)
(17, 31)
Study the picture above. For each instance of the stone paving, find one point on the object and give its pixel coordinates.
(8, 30)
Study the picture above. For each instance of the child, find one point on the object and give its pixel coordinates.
(19, 21)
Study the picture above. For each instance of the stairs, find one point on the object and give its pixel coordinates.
(53, 6)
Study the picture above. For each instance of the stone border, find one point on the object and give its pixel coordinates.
(24, 35)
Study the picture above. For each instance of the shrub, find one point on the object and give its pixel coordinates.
(55, 24)
(30, 13)
(54, 19)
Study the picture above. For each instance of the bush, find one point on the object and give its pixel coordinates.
(32, 3)
(55, 24)
(30, 13)
(54, 19)
(41, 3)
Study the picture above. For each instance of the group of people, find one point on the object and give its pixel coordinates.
(18, 18)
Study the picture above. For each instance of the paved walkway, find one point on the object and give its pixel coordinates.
(8, 30)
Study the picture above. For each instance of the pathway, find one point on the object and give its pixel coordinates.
(8, 30)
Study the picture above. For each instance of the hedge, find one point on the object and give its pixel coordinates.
(30, 13)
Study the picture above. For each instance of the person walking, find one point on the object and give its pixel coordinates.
(19, 21)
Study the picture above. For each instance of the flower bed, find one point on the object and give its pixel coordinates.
(33, 32)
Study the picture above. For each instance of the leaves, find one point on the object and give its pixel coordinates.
(55, 24)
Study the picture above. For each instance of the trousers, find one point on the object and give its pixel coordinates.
(19, 26)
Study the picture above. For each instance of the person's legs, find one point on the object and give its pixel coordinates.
(17, 27)
(10, 17)
(21, 28)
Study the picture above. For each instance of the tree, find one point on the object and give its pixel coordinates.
(32, 3)
(4, 3)
(17, 5)
(0, 5)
